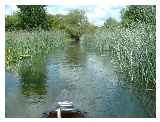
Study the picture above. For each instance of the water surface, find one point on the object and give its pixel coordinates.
(86, 78)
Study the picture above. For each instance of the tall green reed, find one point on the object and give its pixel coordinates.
(133, 53)
(24, 45)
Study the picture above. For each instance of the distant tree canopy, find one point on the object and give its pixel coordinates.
(56, 22)
(75, 23)
(12, 22)
(33, 16)
(138, 13)
(110, 23)
(30, 17)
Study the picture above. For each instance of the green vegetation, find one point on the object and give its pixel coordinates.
(75, 24)
(22, 45)
(33, 16)
(138, 14)
(131, 42)
(12, 22)
(133, 51)
(132, 47)
(111, 23)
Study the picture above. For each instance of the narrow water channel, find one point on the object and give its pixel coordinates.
(85, 78)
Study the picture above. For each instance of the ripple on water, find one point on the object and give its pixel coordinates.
(87, 79)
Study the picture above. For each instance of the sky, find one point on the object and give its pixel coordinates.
(96, 14)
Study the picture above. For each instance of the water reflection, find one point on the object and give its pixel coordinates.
(75, 55)
(33, 77)
(85, 78)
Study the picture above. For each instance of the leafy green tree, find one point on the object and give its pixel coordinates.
(12, 22)
(139, 13)
(33, 16)
(76, 24)
(56, 22)
(110, 23)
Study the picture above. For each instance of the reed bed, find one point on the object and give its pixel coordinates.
(132, 50)
(22, 45)
(133, 53)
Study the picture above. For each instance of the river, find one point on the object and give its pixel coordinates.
(86, 78)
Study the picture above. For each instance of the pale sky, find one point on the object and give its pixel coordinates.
(96, 14)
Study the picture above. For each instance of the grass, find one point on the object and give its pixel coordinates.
(23, 46)
(133, 53)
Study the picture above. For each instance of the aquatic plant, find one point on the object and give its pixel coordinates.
(24, 45)
(133, 53)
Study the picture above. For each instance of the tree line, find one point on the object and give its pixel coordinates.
(30, 17)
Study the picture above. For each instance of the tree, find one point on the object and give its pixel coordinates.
(139, 13)
(110, 23)
(56, 22)
(76, 24)
(12, 22)
(33, 16)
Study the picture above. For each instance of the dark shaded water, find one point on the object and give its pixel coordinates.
(85, 78)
